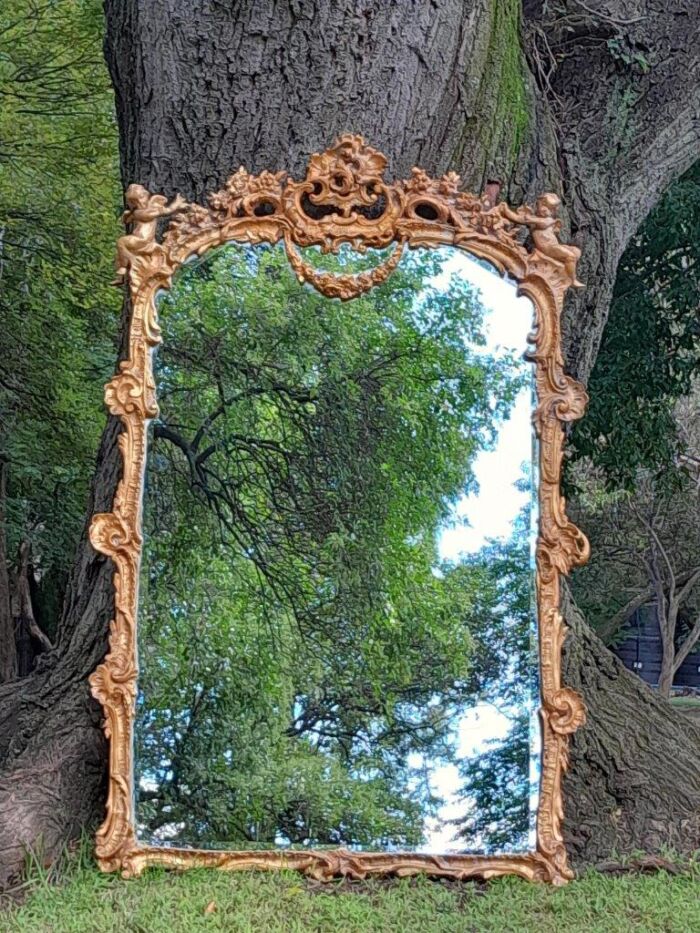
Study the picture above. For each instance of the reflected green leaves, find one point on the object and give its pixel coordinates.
(307, 652)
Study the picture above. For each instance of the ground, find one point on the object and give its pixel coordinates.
(689, 705)
(82, 900)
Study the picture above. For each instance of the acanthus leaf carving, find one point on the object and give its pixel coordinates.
(111, 533)
(566, 711)
(344, 198)
(126, 394)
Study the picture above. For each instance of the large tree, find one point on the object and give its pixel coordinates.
(599, 101)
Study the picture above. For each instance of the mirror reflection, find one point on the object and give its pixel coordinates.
(337, 632)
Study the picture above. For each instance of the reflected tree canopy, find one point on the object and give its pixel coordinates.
(304, 649)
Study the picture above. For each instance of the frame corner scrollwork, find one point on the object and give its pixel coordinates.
(361, 208)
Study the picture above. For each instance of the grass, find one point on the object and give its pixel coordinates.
(80, 899)
(687, 702)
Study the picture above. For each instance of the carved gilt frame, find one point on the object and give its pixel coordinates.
(343, 199)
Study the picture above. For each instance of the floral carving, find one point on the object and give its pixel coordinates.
(342, 286)
(344, 198)
(244, 193)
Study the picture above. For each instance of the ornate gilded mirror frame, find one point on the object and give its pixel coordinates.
(343, 199)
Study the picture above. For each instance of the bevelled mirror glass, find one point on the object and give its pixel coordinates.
(345, 646)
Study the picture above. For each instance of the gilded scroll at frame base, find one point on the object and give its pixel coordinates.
(361, 209)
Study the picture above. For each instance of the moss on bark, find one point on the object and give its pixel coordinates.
(501, 112)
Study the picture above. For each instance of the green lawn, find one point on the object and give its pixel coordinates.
(86, 901)
(689, 702)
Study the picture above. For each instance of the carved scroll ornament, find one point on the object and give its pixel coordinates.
(344, 198)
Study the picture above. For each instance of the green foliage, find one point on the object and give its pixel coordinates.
(299, 639)
(59, 199)
(622, 49)
(496, 783)
(651, 345)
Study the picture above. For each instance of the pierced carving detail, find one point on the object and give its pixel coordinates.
(343, 863)
(341, 286)
(343, 199)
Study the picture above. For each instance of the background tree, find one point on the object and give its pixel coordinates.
(596, 101)
(496, 790)
(58, 198)
(496, 784)
(650, 351)
(646, 544)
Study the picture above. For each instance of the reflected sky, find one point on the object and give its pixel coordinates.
(485, 515)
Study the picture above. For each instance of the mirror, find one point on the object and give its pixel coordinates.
(339, 535)
(337, 631)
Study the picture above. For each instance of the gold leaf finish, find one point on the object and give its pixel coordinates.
(341, 286)
(344, 198)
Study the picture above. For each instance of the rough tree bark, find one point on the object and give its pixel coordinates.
(30, 641)
(8, 653)
(599, 101)
(633, 783)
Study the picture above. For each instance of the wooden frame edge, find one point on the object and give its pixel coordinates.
(367, 212)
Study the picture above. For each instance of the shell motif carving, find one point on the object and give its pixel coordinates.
(344, 198)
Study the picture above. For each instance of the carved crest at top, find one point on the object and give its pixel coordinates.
(345, 185)
(344, 198)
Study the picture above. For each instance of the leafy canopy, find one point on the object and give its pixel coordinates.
(302, 644)
(650, 350)
(59, 202)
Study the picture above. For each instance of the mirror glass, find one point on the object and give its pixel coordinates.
(337, 631)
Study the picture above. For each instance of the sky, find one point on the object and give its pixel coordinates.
(507, 323)
(489, 513)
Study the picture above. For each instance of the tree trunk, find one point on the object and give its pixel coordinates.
(666, 620)
(8, 651)
(30, 641)
(53, 752)
(634, 777)
(205, 86)
(666, 674)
